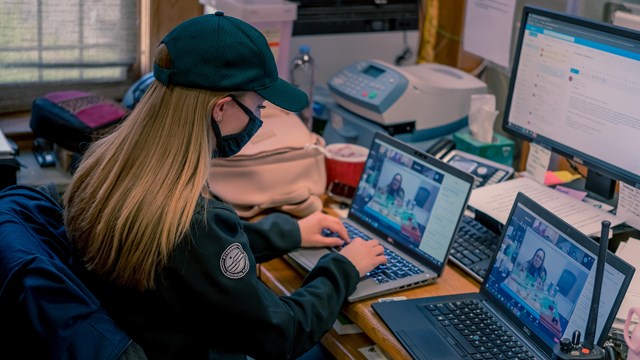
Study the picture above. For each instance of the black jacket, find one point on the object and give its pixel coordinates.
(45, 310)
(210, 304)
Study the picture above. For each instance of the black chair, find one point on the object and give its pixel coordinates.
(46, 311)
(422, 195)
(566, 282)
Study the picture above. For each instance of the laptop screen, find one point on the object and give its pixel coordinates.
(412, 199)
(543, 276)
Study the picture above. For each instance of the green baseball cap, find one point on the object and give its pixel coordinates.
(222, 53)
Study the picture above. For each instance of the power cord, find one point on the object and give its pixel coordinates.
(575, 168)
(609, 350)
(477, 72)
(406, 53)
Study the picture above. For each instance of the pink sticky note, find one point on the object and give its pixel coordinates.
(550, 179)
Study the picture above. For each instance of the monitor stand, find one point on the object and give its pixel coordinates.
(620, 232)
(601, 185)
(593, 192)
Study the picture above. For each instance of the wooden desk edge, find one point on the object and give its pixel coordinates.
(283, 278)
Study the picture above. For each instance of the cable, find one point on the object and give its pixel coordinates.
(448, 35)
(446, 38)
(406, 53)
(477, 72)
(609, 350)
(575, 168)
(440, 46)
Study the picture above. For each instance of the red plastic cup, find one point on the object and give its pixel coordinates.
(345, 163)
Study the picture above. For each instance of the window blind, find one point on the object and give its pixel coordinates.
(51, 45)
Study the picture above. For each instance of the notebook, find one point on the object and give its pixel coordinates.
(412, 203)
(537, 292)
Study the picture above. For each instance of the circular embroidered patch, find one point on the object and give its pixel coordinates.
(234, 262)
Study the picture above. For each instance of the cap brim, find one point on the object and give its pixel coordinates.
(285, 95)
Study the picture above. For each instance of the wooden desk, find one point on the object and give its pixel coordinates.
(283, 278)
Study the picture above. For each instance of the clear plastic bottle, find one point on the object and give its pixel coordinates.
(302, 69)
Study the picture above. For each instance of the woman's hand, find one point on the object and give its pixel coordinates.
(311, 231)
(364, 255)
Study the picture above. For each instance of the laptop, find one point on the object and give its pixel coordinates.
(537, 292)
(412, 203)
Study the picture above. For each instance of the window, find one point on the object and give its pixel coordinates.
(54, 45)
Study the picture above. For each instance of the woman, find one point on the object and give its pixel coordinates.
(394, 190)
(534, 268)
(175, 266)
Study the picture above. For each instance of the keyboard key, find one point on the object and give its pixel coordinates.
(487, 339)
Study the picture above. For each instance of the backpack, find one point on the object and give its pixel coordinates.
(282, 168)
(73, 119)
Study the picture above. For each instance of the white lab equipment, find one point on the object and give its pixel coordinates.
(415, 103)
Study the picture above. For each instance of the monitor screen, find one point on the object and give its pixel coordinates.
(575, 89)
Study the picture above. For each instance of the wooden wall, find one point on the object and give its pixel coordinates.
(441, 28)
(164, 15)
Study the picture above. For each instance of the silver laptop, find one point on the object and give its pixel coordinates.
(412, 203)
(537, 292)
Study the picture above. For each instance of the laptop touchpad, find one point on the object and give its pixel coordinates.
(427, 343)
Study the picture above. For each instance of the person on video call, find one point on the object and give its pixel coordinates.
(394, 191)
(173, 264)
(534, 271)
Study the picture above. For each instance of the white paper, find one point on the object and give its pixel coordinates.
(629, 205)
(373, 352)
(599, 204)
(5, 148)
(496, 201)
(537, 162)
(488, 26)
(631, 254)
(627, 20)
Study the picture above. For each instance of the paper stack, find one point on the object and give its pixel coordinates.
(630, 252)
(496, 201)
(6, 151)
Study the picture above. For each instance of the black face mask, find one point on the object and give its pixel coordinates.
(229, 145)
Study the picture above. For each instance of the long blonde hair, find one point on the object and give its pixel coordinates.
(133, 196)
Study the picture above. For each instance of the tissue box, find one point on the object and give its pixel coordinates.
(500, 150)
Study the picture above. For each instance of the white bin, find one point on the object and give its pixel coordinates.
(274, 18)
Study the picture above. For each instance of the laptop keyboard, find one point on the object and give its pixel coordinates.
(397, 267)
(478, 333)
(473, 247)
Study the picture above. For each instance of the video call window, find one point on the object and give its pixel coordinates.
(394, 194)
(539, 275)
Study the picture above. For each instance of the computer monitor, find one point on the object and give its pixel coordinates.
(575, 89)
